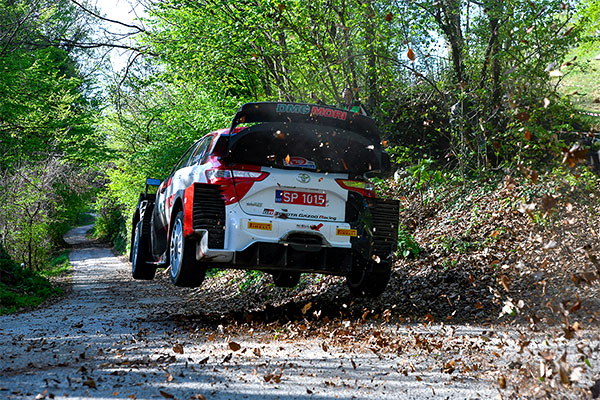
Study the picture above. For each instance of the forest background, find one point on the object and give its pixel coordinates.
(464, 93)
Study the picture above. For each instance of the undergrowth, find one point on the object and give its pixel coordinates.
(22, 288)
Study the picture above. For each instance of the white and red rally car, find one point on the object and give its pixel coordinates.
(283, 190)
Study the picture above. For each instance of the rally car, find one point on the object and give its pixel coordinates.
(284, 190)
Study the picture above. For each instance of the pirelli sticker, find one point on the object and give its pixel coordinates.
(346, 232)
(261, 226)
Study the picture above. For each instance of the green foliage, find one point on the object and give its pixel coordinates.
(59, 264)
(85, 218)
(47, 138)
(38, 204)
(407, 246)
(111, 224)
(250, 278)
(20, 287)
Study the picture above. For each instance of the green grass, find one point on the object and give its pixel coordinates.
(581, 81)
(58, 265)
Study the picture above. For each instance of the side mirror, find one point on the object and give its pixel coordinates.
(152, 182)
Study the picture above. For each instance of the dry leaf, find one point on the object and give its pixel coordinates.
(548, 202)
(448, 367)
(576, 154)
(502, 382)
(411, 54)
(89, 382)
(547, 355)
(166, 395)
(568, 32)
(505, 281)
(178, 348)
(389, 17)
(575, 307)
(306, 307)
(523, 116)
(234, 346)
(564, 371)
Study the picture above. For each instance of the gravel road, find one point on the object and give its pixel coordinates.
(116, 338)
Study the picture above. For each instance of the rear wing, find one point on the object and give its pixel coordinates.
(304, 113)
(313, 136)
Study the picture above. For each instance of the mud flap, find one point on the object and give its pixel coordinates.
(201, 243)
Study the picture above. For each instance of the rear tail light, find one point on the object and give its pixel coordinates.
(229, 176)
(365, 188)
(219, 176)
(249, 175)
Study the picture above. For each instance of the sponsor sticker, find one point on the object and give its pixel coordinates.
(312, 110)
(298, 162)
(262, 226)
(346, 232)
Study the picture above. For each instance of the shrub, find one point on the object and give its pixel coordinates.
(20, 287)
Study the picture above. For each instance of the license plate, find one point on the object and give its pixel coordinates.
(300, 198)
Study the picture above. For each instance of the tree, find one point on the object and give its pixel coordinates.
(47, 139)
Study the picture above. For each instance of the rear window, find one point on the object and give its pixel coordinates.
(304, 146)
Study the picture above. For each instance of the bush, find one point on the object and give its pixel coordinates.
(111, 224)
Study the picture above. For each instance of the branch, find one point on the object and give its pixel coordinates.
(21, 22)
(92, 45)
(108, 19)
(420, 75)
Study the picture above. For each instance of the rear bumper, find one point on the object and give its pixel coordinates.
(227, 236)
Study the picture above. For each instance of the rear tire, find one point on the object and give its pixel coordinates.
(186, 271)
(286, 279)
(140, 255)
(368, 282)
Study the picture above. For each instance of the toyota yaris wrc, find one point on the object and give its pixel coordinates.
(284, 190)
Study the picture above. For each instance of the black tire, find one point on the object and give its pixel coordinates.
(286, 279)
(186, 271)
(368, 282)
(140, 255)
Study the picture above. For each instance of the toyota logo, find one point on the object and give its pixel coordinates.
(303, 178)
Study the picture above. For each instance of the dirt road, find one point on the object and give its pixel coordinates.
(116, 338)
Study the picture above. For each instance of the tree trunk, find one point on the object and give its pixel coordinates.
(449, 21)
(372, 92)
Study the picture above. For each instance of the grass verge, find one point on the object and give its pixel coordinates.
(22, 288)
